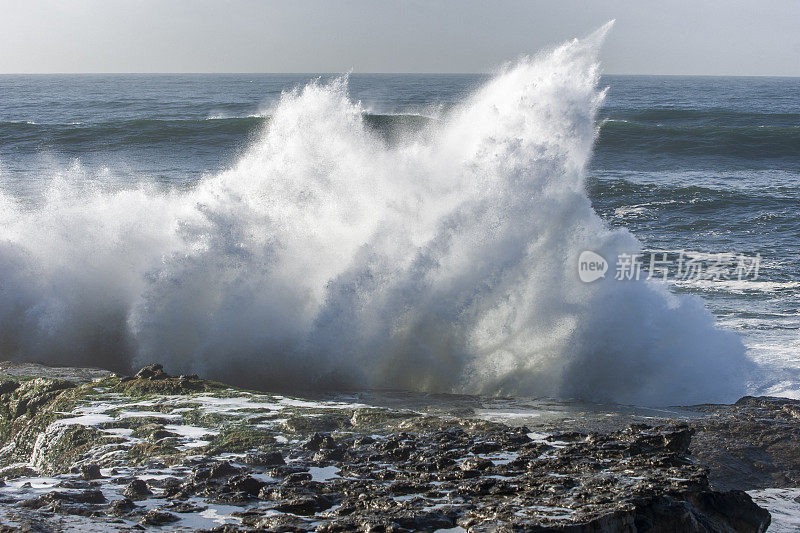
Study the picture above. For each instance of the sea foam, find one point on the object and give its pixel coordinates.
(327, 257)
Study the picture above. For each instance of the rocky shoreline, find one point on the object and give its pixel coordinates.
(84, 448)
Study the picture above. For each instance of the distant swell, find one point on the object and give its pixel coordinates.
(141, 133)
(327, 257)
(674, 136)
(750, 142)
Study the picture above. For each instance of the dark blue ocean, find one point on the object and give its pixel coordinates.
(700, 165)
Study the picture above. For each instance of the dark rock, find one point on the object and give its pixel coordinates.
(406, 487)
(766, 402)
(364, 441)
(74, 484)
(154, 432)
(569, 436)
(137, 490)
(443, 463)
(332, 454)
(320, 441)
(87, 496)
(422, 520)
(264, 459)
(83, 497)
(222, 469)
(240, 439)
(297, 477)
(673, 441)
(284, 524)
(485, 447)
(152, 372)
(8, 386)
(476, 463)
(322, 423)
(121, 507)
(285, 470)
(418, 471)
(304, 506)
(186, 507)
(153, 380)
(90, 471)
(752, 444)
(225, 528)
(730, 512)
(246, 484)
(155, 517)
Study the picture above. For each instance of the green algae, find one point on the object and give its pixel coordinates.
(240, 438)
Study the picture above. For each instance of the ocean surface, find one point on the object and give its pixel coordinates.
(703, 165)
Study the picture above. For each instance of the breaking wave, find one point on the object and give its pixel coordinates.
(327, 257)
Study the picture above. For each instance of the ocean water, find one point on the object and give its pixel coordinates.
(405, 231)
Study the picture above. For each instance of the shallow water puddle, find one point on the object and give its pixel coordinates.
(323, 473)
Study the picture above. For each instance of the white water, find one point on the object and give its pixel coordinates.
(327, 258)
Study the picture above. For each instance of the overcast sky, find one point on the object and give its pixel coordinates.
(735, 37)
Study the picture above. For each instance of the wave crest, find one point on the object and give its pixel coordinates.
(330, 258)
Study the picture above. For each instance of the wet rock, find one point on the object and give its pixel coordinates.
(444, 463)
(283, 524)
(165, 482)
(121, 507)
(485, 447)
(297, 477)
(675, 440)
(68, 373)
(63, 445)
(242, 438)
(567, 436)
(153, 432)
(90, 472)
(7, 386)
(752, 444)
(156, 517)
(264, 459)
(422, 520)
(719, 512)
(379, 418)
(17, 471)
(327, 455)
(476, 463)
(222, 469)
(304, 506)
(31, 396)
(74, 483)
(152, 379)
(320, 441)
(285, 470)
(514, 437)
(137, 490)
(186, 507)
(226, 528)
(322, 423)
(152, 372)
(406, 487)
(83, 497)
(408, 472)
(768, 402)
(86, 496)
(246, 484)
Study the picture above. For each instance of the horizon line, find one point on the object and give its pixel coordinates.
(334, 73)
